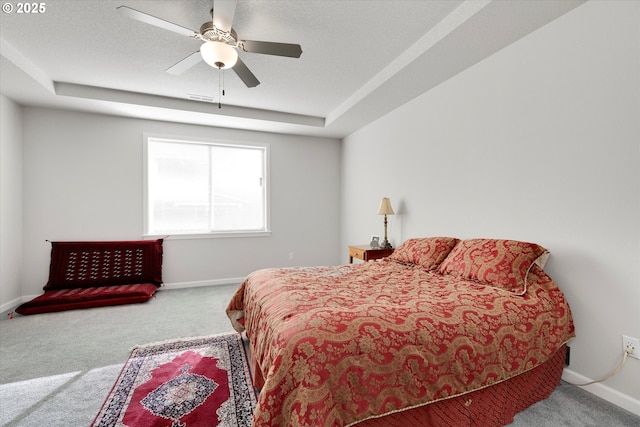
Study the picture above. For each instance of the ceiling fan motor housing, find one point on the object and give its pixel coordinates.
(210, 33)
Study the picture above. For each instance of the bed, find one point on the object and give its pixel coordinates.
(442, 332)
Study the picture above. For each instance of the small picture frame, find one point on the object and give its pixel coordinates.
(375, 242)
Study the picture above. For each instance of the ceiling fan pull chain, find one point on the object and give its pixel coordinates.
(219, 87)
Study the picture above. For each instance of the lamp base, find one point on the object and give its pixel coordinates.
(385, 244)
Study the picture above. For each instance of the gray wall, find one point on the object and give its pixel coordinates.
(83, 181)
(10, 199)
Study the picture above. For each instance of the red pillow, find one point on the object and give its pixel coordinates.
(500, 263)
(104, 263)
(427, 252)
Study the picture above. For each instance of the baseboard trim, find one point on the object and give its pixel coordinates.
(200, 283)
(13, 303)
(607, 393)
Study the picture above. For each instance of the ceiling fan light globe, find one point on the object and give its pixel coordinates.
(218, 55)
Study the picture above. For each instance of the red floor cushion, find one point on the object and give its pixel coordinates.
(94, 274)
(70, 299)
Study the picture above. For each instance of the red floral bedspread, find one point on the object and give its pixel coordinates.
(337, 345)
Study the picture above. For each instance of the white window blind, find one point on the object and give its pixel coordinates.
(201, 188)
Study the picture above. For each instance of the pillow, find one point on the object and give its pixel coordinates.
(103, 263)
(426, 252)
(504, 264)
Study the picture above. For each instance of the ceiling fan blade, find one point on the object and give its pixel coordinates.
(185, 64)
(271, 48)
(223, 11)
(245, 74)
(157, 22)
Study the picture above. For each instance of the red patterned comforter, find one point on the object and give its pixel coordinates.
(337, 345)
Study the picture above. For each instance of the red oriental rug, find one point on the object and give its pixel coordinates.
(189, 383)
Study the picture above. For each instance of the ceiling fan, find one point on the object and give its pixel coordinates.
(220, 42)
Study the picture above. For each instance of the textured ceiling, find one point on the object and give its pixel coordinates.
(360, 58)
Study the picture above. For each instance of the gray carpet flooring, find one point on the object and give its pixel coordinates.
(56, 369)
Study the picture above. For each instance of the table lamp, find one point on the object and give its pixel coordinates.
(385, 209)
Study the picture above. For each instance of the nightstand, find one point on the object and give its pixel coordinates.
(367, 253)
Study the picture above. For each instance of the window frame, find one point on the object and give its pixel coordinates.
(146, 214)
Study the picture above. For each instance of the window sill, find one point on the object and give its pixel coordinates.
(218, 235)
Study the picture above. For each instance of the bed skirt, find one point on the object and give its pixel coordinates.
(490, 406)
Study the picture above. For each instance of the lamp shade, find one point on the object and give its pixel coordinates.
(219, 55)
(385, 207)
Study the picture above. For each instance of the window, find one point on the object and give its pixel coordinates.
(205, 188)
